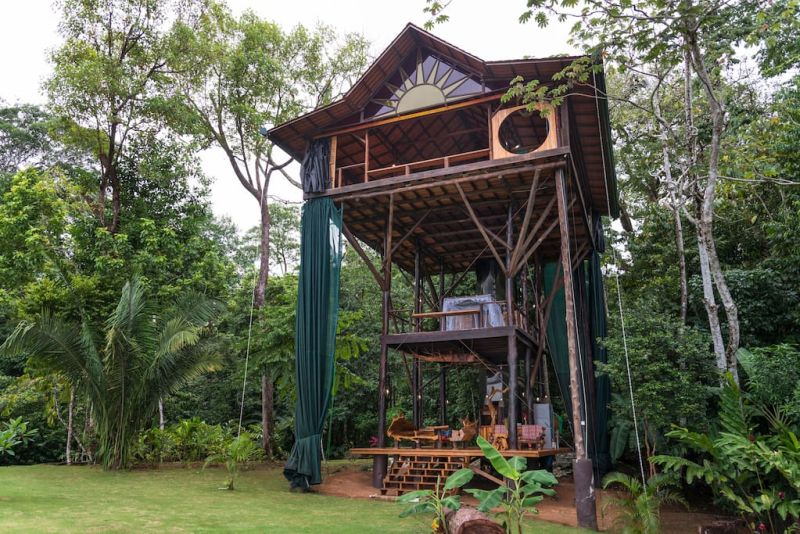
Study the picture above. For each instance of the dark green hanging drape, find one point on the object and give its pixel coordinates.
(315, 335)
(588, 281)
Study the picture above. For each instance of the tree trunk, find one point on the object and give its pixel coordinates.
(731, 310)
(674, 204)
(116, 204)
(710, 300)
(160, 414)
(681, 263)
(707, 212)
(70, 409)
(263, 268)
(470, 521)
(267, 404)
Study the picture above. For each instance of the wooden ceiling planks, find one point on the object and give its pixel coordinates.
(448, 232)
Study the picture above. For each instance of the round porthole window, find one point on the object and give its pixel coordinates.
(523, 131)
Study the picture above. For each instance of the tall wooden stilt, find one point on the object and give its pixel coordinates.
(442, 394)
(513, 360)
(583, 473)
(442, 368)
(416, 382)
(379, 462)
(528, 389)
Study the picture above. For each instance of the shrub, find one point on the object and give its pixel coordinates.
(240, 450)
(640, 507)
(752, 461)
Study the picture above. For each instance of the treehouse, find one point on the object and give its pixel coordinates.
(428, 166)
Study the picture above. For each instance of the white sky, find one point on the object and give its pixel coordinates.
(489, 30)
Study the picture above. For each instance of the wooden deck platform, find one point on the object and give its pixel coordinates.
(490, 344)
(448, 452)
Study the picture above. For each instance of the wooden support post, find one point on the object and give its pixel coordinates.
(513, 359)
(442, 394)
(528, 390)
(332, 158)
(584, 484)
(366, 156)
(380, 461)
(416, 388)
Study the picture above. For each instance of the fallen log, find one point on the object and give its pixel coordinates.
(470, 521)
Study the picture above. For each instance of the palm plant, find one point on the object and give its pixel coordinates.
(240, 450)
(143, 354)
(639, 508)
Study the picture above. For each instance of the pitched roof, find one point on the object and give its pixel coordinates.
(293, 136)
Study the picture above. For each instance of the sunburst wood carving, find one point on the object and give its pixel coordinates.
(432, 82)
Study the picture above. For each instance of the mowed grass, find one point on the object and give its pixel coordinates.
(85, 499)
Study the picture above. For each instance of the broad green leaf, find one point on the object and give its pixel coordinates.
(418, 508)
(453, 502)
(519, 463)
(459, 478)
(488, 499)
(496, 459)
(529, 502)
(419, 494)
(545, 478)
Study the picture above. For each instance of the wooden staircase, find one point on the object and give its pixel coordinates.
(415, 472)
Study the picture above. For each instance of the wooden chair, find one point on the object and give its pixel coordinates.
(531, 435)
(466, 434)
(401, 429)
(500, 437)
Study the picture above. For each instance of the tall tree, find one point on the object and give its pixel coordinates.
(236, 76)
(695, 39)
(105, 79)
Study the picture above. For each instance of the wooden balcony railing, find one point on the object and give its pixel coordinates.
(406, 168)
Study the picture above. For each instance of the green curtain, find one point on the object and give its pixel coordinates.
(315, 336)
(602, 384)
(590, 276)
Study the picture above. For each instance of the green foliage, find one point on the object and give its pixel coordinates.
(518, 498)
(773, 377)
(195, 439)
(147, 353)
(639, 509)
(15, 432)
(672, 371)
(438, 500)
(752, 461)
(240, 450)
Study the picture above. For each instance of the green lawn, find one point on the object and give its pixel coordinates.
(84, 499)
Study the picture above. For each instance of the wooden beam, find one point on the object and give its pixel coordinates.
(488, 168)
(360, 251)
(535, 246)
(480, 227)
(491, 233)
(523, 247)
(409, 116)
(523, 231)
(366, 156)
(579, 424)
(410, 231)
(332, 169)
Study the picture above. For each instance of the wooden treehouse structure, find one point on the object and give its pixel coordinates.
(442, 179)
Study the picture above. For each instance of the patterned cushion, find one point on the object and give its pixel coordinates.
(531, 432)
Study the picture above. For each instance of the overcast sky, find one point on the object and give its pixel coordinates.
(487, 29)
